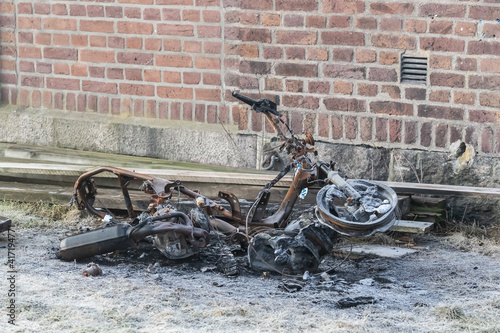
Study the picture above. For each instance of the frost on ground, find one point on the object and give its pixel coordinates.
(445, 287)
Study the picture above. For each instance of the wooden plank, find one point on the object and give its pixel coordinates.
(414, 227)
(371, 250)
(444, 190)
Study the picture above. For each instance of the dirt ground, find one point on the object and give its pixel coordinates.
(451, 285)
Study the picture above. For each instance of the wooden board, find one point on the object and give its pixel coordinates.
(414, 227)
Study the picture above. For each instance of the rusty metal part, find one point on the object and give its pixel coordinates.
(5, 223)
(92, 270)
(233, 202)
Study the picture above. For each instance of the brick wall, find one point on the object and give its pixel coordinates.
(333, 65)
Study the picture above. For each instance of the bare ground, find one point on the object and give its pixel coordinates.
(451, 285)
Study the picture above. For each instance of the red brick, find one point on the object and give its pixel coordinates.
(27, 37)
(175, 30)
(345, 71)
(77, 10)
(29, 23)
(345, 104)
(464, 98)
(343, 38)
(272, 20)
(395, 127)
(365, 89)
(97, 56)
(136, 28)
(208, 31)
(487, 13)
(381, 129)
(466, 64)
(191, 78)
(440, 62)
(466, 29)
(337, 21)
(97, 41)
(8, 65)
(208, 94)
(47, 99)
(138, 108)
(244, 50)
(293, 69)
(440, 112)
(342, 87)
(199, 113)
(490, 65)
(343, 55)
(441, 27)
(416, 26)
(382, 74)
(44, 68)
(99, 87)
(257, 4)
(173, 60)
(447, 80)
(393, 91)
(481, 116)
(133, 74)
(388, 58)
(211, 16)
(79, 40)
(170, 14)
(391, 24)
(134, 43)
(337, 127)
(484, 82)
(94, 11)
(36, 99)
(442, 44)
(487, 141)
(211, 79)
(114, 73)
(272, 52)
(367, 23)
(425, 134)
(116, 42)
(62, 69)
(249, 18)
(351, 127)
(175, 92)
(319, 87)
(410, 132)
(482, 48)
(207, 63)
(135, 58)
(152, 75)
(301, 101)
(103, 105)
(296, 5)
(392, 108)
(323, 126)
(441, 135)
(63, 84)
(489, 99)
(59, 24)
(171, 77)
(29, 52)
(255, 35)
(79, 69)
(294, 86)
(114, 11)
(315, 21)
(383, 8)
(132, 12)
(394, 41)
(8, 8)
(27, 81)
(295, 53)
(296, 37)
(440, 96)
(455, 134)
(60, 39)
(152, 14)
(173, 45)
(442, 10)
(293, 20)
(97, 72)
(490, 30)
(366, 56)
(343, 7)
(317, 54)
(137, 89)
(418, 94)
(97, 26)
(24, 8)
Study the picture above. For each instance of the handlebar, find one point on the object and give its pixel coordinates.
(259, 105)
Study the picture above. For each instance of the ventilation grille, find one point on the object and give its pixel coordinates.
(413, 70)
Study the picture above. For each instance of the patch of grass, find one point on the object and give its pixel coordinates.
(448, 312)
(42, 215)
